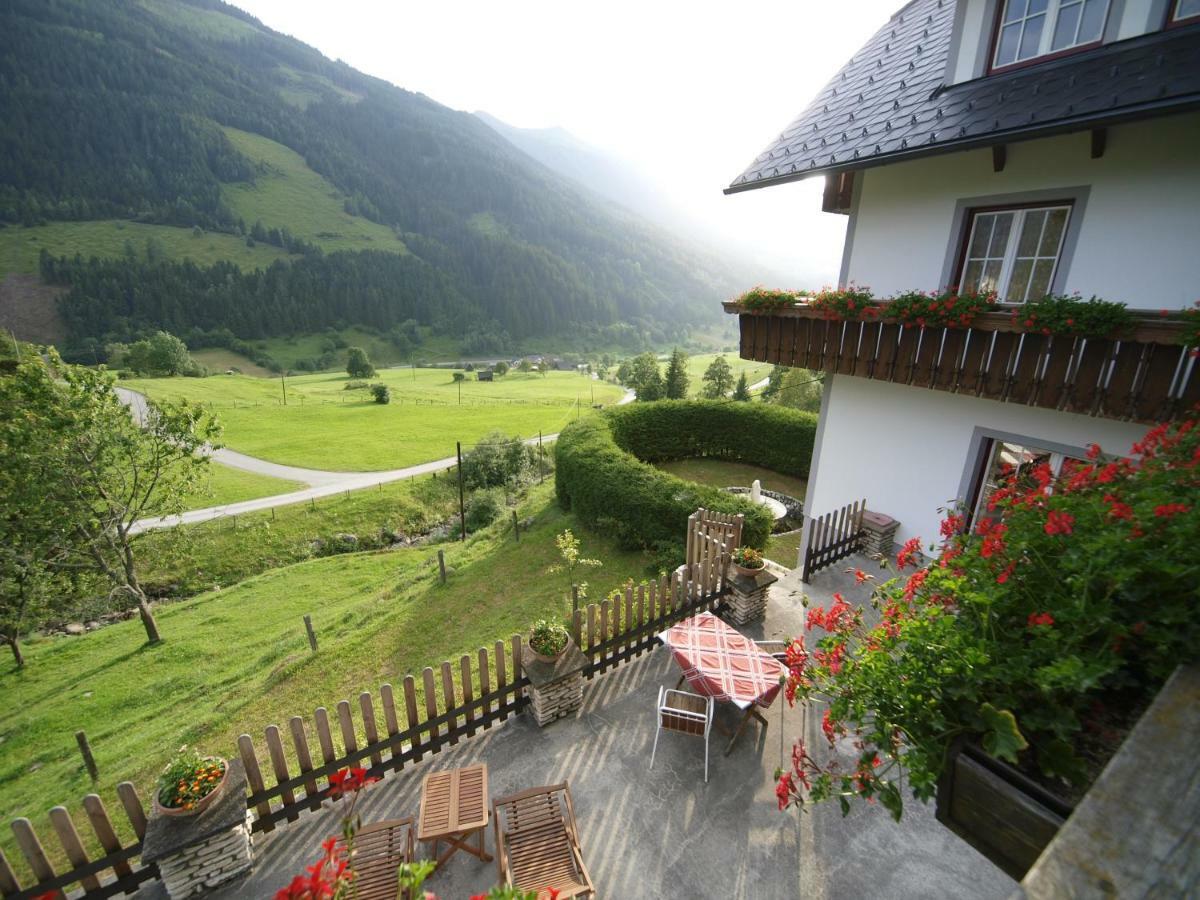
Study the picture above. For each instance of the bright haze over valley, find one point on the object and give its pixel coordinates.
(676, 97)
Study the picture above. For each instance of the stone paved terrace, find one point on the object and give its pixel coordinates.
(665, 833)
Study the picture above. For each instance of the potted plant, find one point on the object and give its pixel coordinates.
(748, 561)
(189, 783)
(548, 640)
(1003, 675)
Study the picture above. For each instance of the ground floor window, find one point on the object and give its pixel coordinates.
(1004, 462)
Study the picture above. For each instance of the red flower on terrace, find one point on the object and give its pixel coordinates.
(830, 727)
(907, 554)
(1166, 510)
(348, 781)
(784, 789)
(860, 576)
(1093, 451)
(952, 525)
(1003, 577)
(1059, 522)
(1036, 619)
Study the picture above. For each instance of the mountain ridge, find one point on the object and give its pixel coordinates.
(126, 114)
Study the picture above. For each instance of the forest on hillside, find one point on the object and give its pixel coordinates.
(117, 111)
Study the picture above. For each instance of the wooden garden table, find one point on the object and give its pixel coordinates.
(454, 806)
(721, 663)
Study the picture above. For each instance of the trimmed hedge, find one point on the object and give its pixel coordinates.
(598, 473)
(774, 437)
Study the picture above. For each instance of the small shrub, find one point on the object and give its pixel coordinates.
(548, 638)
(381, 393)
(483, 509)
(497, 460)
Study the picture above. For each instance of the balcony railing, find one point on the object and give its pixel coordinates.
(1146, 376)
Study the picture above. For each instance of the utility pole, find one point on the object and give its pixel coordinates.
(412, 365)
(462, 505)
(459, 382)
(283, 386)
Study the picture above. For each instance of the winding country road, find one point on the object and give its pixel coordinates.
(320, 483)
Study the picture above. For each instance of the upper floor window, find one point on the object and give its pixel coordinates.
(1184, 10)
(1028, 29)
(1013, 251)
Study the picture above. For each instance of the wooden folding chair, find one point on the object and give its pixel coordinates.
(379, 849)
(685, 713)
(537, 843)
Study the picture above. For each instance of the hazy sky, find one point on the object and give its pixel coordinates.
(688, 92)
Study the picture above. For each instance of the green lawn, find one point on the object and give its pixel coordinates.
(229, 485)
(719, 473)
(755, 371)
(289, 193)
(236, 660)
(326, 427)
(784, 548)
(218, 360)
(19, 246)
(182, 562)
(288, 351)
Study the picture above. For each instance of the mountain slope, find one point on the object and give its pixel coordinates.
(387, 206)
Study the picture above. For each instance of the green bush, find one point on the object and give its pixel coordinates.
(381, 393)
(497, 460)
(600, 476)
(483, 509)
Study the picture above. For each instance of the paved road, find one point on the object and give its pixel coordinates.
(320, 483)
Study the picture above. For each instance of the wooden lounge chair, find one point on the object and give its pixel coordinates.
(379, 849)
(537, 843)
(685, 713)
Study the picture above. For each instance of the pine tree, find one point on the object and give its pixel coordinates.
(676, 384)
(742, 391)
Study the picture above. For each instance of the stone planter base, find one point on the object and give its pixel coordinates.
(555, 688)
(879, 533)
(212, 862)
(747, 600)
(196, 853)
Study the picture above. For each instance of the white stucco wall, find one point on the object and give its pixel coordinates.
(905, 449)
(1139, 231)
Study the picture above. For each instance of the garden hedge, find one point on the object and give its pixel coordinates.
(600, 473)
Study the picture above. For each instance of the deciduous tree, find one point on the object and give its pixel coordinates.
(741, 393)
(358, 365)
(718, 379)
(101, 468)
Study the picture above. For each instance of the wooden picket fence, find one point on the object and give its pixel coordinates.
(391, 729)
(831, 537)
(114, 872)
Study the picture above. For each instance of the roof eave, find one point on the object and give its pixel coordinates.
(1166, 107)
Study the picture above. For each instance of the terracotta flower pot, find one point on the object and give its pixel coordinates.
(204, 802)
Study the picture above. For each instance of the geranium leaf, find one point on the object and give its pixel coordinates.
(1001, 737)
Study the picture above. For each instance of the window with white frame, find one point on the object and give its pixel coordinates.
(1031, 28)
(1013, 252)
(1184, 10)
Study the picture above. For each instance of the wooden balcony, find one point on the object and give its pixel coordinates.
(1147, 376)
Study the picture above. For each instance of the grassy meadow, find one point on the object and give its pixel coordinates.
(326, 427)
(228, 485)
(220, 672)
(287, 192)
(755, 371)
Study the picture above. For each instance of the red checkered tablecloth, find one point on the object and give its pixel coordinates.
(719, 662)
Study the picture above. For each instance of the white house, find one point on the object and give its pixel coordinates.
(1025, 146)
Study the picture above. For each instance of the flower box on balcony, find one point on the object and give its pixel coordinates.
(998, 810)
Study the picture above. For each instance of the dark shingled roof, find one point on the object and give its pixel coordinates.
(889, 102)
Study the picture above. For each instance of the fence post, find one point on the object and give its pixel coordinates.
(312, 635)
(516, 527)
(541, 461)
(86, 749)
(442, 566)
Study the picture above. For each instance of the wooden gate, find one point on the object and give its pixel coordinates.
(831, 537)
(711, 538)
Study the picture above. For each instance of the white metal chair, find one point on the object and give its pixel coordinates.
(686, 713)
